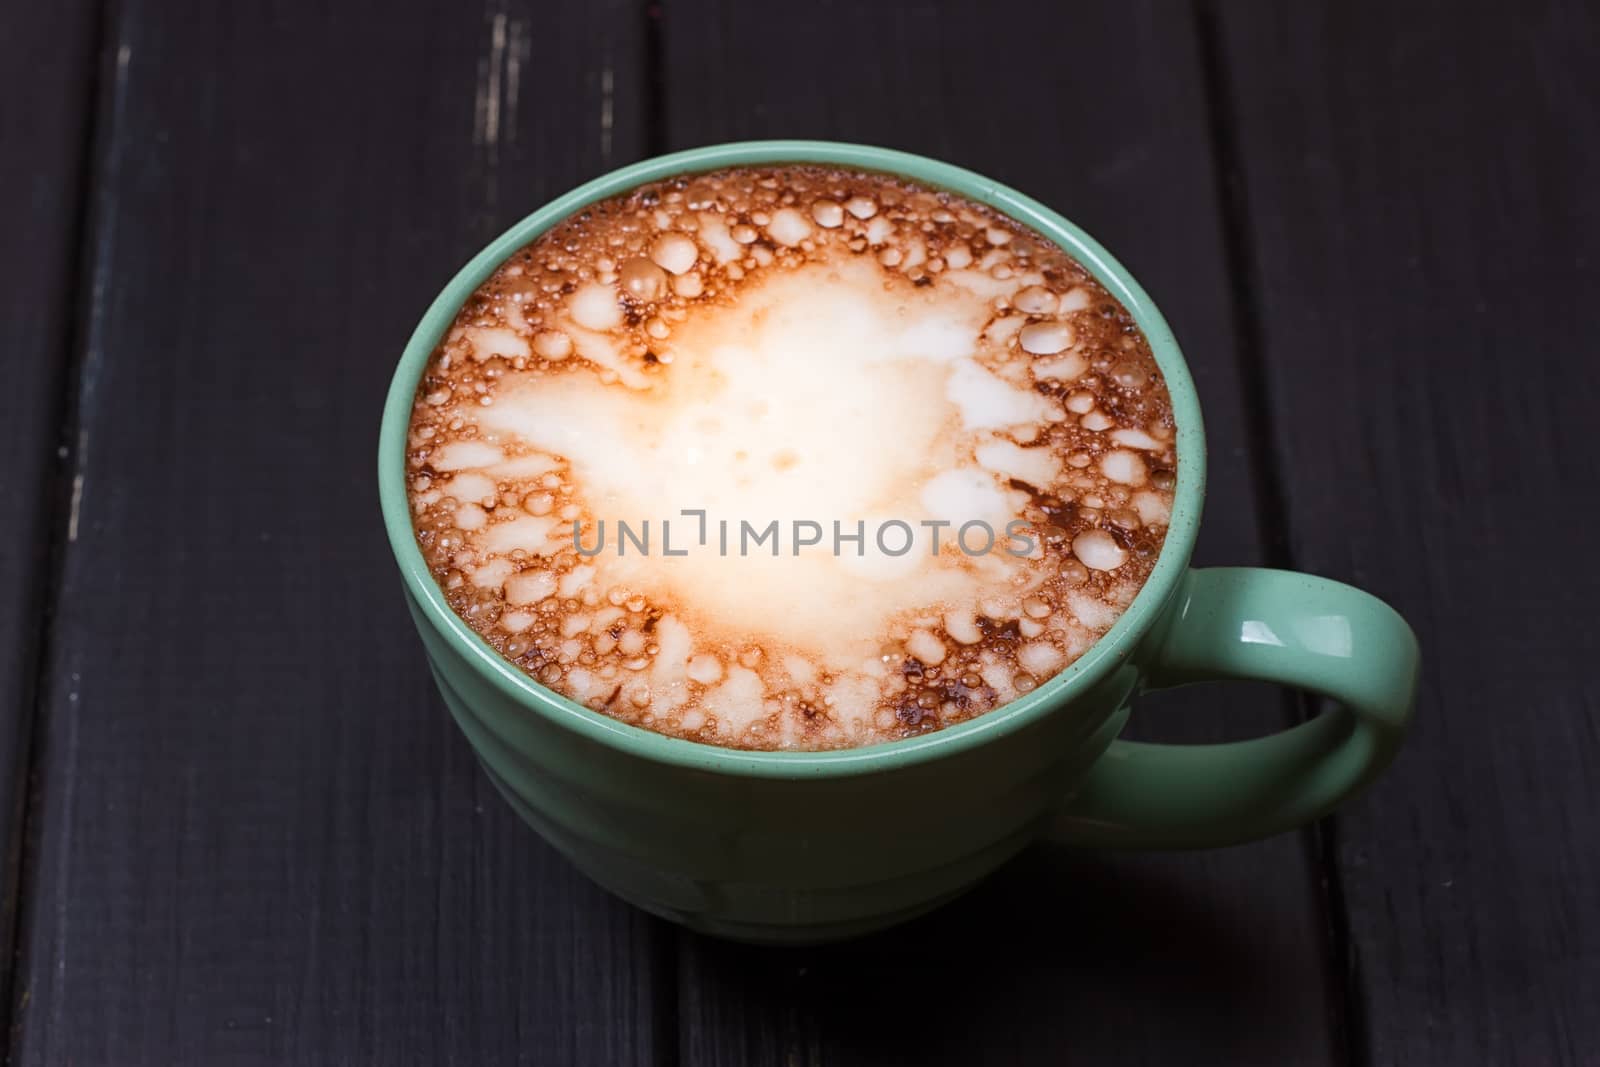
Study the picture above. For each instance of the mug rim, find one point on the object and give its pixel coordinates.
(1113, 647)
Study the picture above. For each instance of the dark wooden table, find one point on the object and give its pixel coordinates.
(240, 828)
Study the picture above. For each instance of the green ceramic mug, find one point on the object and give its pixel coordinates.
(803, 846)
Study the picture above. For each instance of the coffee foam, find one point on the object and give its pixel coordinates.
(767, 415)
(795, 345)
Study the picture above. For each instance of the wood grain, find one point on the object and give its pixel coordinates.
(1061, 958)
(47, 95)
(260, 838)
(1424, 232)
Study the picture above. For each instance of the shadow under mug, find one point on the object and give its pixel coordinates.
(812, 846)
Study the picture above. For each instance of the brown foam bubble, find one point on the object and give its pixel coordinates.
(1054, 404)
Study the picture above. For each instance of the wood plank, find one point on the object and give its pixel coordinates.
(1216, 957)
(260, 838)
(47, 65)
(1420, 185)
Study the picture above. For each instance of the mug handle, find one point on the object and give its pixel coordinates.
(1263, 625)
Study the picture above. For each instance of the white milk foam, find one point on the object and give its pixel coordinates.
(808, 355)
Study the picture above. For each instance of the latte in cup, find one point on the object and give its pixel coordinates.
(791, 457)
